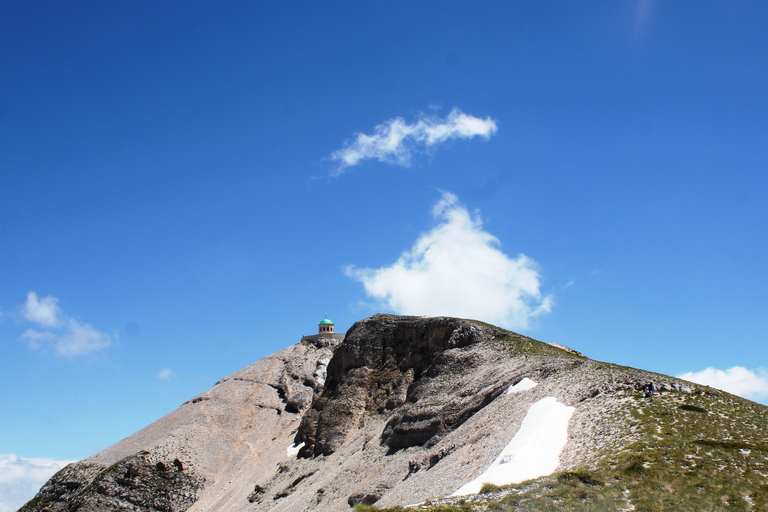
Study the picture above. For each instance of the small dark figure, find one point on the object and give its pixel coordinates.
(648, 390)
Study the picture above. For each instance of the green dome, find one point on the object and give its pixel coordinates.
(326, 322)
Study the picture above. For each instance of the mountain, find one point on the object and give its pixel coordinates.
(450, 413)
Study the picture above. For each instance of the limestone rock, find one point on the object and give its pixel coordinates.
(134, 483)
(389, 363)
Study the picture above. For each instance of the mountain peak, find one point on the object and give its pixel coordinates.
(407, 409)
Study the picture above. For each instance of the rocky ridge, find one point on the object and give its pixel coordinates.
(205, 454)
(404, 410)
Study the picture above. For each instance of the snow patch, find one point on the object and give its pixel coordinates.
(533, 452)
(523, 385)
(293, 450)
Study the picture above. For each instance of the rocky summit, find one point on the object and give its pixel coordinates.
(432, 414)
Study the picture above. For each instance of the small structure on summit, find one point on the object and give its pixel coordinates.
(326, 330)
(326, 326)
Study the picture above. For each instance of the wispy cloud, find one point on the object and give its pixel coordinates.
(737, 380)
(457, 269)
(643, 11)
(394, 141)
(64, 335)
(21, 478)
(165, 374)
(45, 311)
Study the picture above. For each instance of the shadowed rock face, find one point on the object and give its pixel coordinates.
(393, 365)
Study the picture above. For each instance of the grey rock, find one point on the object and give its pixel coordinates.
(389, 363)
(134, 483)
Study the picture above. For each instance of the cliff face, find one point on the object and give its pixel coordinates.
(405, 409)
(396, 368)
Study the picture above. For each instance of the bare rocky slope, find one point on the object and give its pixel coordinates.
(407, 410)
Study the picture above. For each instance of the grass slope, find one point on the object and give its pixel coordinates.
(705, 450)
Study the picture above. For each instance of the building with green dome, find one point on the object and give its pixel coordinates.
(326, 335)
(326, 326)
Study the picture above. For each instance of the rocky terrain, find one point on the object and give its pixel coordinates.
(407, 410)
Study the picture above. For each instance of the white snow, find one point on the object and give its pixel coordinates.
(523, 385)
(293, 450)
(533, 452)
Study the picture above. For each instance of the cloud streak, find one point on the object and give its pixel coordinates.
(395, 141)
(64, 335)
(165, 374)
(643, 12)
(737, 380)
(457, 269)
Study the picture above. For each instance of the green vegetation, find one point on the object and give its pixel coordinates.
(683, 458)
(681, 452)
(524, 345)
(488, 488)
(459, 506)
(692, 408)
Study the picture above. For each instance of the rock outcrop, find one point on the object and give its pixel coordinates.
(137, 482)
(388, 364)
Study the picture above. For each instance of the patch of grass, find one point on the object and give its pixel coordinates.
(489, 488)
(523, 345)
(680, 452)
(520, 344)
(361, 507)
(692, 408)
(460, 506)
(730, 445)
(585, 478)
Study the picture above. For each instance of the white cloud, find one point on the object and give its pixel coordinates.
(80, 339)
(44, 312)
(21, 478)
(394, 141)
(65, 336)
(38, 340)
(737, 380)
(166, 374)
(457, 269)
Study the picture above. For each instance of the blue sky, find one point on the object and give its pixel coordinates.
(175, 203)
